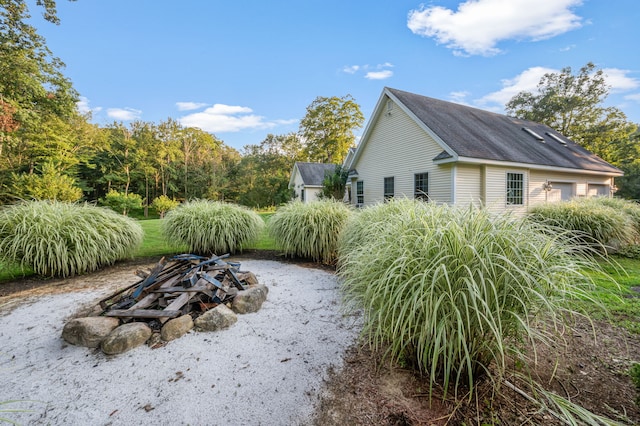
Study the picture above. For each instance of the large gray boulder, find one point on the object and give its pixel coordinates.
(250, 300)
(126, 337)
(216, 319)
(176, 328)
(89, 331)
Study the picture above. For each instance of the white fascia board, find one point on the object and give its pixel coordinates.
(479, 161)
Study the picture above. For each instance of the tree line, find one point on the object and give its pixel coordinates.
(48, 149)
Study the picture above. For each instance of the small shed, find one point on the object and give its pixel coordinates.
(306, 179)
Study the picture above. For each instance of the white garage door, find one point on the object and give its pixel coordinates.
(598, 189)
(561, 191)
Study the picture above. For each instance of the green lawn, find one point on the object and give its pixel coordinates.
(153, 245)
(621, 301)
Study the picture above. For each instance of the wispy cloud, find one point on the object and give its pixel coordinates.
(377, 72)
(477, 26)
(124, 114)
(379, 75)
(633, 97)
(189, 106)
(619, 80)
(221, 118)
(84, 108)
(351, 69)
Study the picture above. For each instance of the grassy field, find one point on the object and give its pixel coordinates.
(153, 245)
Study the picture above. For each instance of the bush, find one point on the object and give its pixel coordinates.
(310, 230)
(208, 227)
(163, 204)
(51, 184)
(595, 222)
(452, 291)
(121, 202)
(64, 239)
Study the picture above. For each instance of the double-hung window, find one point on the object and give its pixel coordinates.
(359, 193)
(421, 186)
(515, 189)
(389, 188)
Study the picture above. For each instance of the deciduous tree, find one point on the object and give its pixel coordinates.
(328, 128)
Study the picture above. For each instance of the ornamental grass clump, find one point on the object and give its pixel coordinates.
(64, 239)
(310, 230)
(212, 227)
(593, 220)
(453, 291)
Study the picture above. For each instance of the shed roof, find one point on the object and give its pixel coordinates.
(478, 134)
(313, 173)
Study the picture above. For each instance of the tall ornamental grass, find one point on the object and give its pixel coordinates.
(596, 221)
(452, 291)
(310, 230)
(212, 227)
(64, 239)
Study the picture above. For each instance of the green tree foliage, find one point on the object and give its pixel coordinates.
(50, 184)
(262, 176)
(163, 204)
(328, 126)
(334, 184)
(573, 104)
(31, 81)
(122, 202)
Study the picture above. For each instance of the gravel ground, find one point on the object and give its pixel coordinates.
(267, 369)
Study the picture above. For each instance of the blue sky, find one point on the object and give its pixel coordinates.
(242, 69)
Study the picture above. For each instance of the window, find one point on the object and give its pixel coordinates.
(515, 189)
(360, 193)
(421, 186)
(302, 195)
(389, 189)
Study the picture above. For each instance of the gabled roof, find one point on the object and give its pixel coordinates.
(469, 134)
(312, 174)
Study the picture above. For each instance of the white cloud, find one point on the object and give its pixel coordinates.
(227, 118)
(633, 97)
(459, 97)
(189, 106)
(478, 25)
(84, 108)
(527, 80)
(377, 72)
(124, 114)
(379, 75)
(619, 80)
(351, 69)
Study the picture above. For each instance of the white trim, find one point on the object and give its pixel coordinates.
(469, 160)
(454, 187)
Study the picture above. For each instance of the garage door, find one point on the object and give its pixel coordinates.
(598, 189)
(561, 191)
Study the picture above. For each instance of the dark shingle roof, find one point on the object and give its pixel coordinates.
(480, 134)
(313, 173)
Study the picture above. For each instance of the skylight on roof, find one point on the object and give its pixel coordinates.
(555, 138)
(534, 134)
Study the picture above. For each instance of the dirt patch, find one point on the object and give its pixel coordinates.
(591, 370)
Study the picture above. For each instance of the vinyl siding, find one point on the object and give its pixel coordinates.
(580, 181)
(298, 184)
(468, 187)
(496, 190)
(398, 147)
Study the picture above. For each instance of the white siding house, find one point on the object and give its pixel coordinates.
(415, 146)
(306, 179)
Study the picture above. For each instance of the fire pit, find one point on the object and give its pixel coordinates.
(175, 296)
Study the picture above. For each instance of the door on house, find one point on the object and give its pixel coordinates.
(561, 191)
